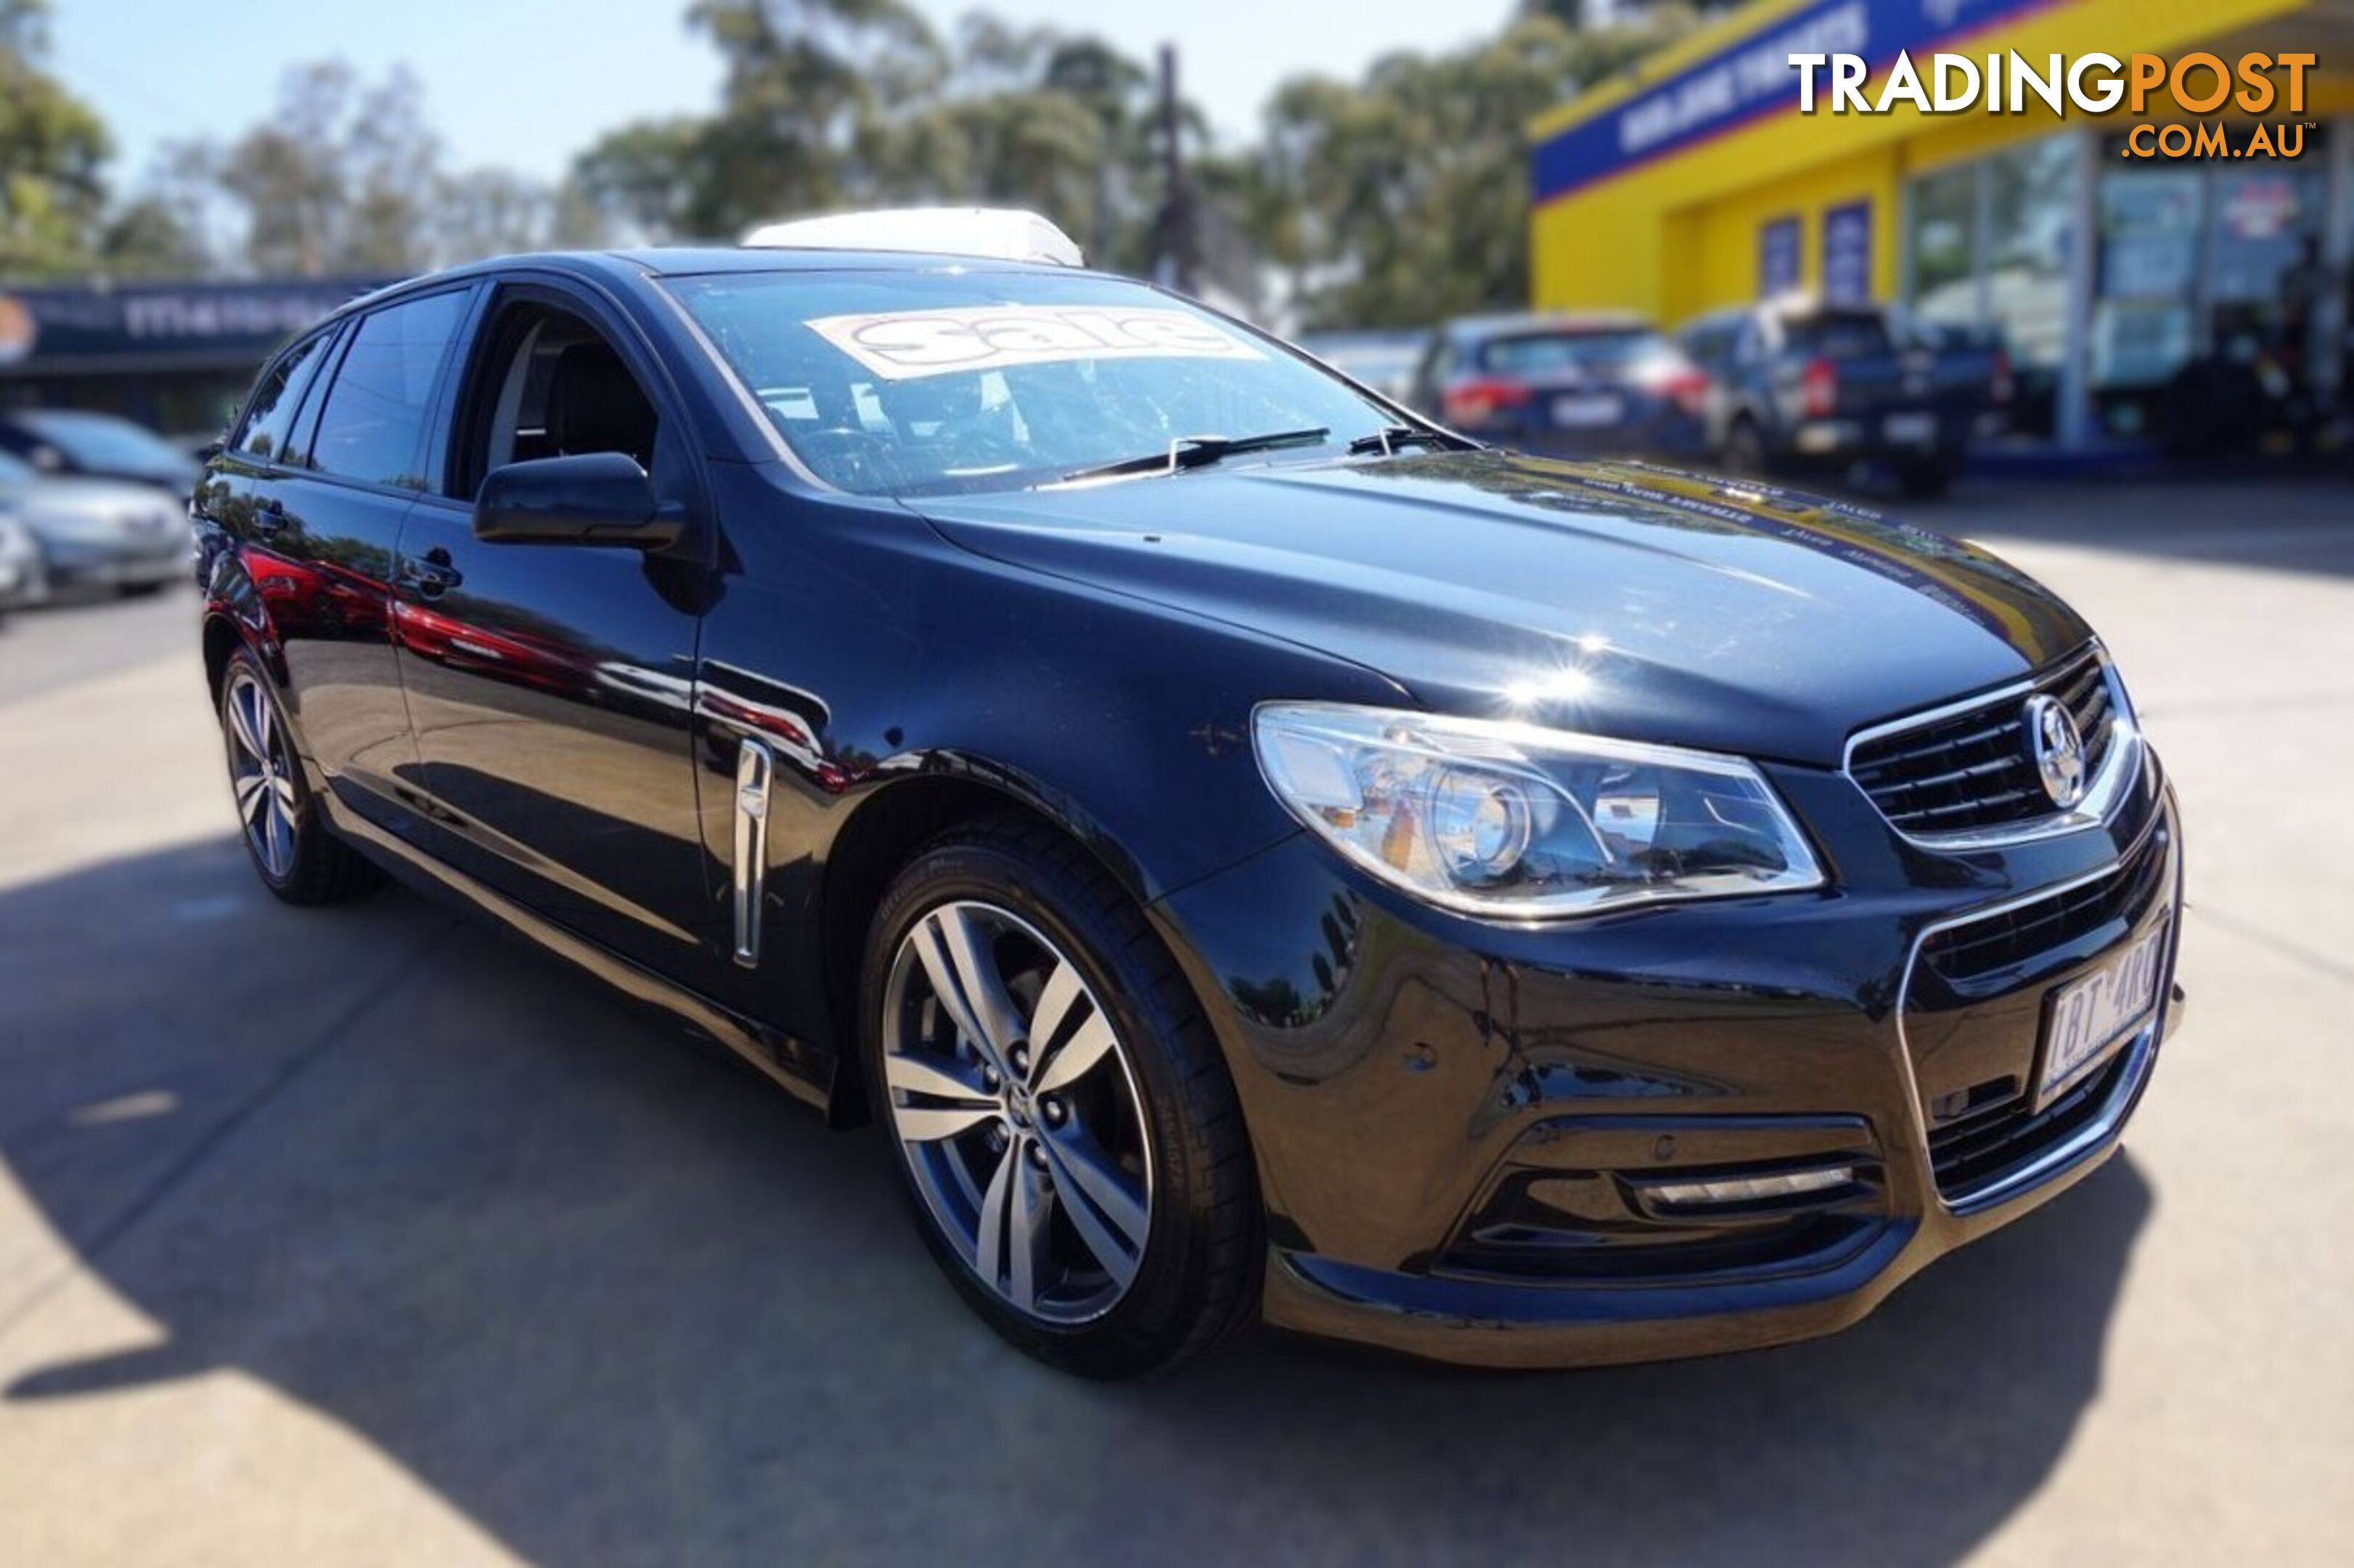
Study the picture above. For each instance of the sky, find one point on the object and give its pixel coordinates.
(524, 84)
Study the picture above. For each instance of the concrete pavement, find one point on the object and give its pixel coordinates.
(365, 1236)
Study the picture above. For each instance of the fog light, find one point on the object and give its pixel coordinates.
(1753, 1189)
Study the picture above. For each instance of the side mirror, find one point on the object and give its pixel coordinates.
(596, 498)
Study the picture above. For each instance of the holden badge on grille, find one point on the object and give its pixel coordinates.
(2057, 748)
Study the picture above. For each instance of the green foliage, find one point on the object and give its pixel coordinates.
(52, 148)
(345, 175)
(1389, 201)
(1404, 198)
(832, 103)
(1392, 200)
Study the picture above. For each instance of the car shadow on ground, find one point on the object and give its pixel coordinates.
(618, 1300)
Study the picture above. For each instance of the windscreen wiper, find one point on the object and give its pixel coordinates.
(1197, 451)
(1389, 438)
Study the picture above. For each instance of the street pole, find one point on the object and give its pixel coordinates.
(1174, 266)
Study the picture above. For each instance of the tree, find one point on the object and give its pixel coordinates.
(346, 175)
(145, 238)
(646, 178)
(496, 212)
(809, 86)
(828, 103)
(1033, 119)
(1404, 199)
(52, 148)
(335, 180)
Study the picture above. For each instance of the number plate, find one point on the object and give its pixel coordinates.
(1910, 429)
(2091, 1015)
(1585, 413)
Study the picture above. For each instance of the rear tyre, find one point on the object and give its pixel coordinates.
(1056, 1106)
(286, 835)
(1926, 479)
(1744, 449)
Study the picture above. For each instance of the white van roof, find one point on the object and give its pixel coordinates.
(1000, 234)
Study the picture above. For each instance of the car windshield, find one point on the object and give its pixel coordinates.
(1540, 354)
(102, 441)
(913, 383)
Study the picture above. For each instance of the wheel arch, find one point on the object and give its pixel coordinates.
(221, 638)
(887, 830)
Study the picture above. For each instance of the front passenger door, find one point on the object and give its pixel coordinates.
(551, 683)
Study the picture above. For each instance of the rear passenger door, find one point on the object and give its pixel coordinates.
(317, 498)
(551, 683)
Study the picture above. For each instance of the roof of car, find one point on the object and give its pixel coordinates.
(1795, 305)
(705, 261)
(1500, 324)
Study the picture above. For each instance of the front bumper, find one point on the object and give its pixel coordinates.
(1851, 441)
(94, 566)
(1670, 434)
(81, 565)
(1464, 1128)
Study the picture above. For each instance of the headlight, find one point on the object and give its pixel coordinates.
(1515, 820)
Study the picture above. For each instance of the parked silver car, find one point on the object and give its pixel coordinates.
(97, 532)
(23, 578)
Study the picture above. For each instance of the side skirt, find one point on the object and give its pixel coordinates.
(805, 1070)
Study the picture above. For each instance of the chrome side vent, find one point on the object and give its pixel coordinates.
(756, 771)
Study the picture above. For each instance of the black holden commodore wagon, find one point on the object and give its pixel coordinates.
(1249, 850)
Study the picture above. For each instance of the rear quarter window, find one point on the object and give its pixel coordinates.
(269, 417)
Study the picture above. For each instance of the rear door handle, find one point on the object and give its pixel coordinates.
(269, 518)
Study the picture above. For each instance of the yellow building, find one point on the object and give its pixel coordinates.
(1693, 182)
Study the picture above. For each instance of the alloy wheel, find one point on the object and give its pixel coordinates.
(261, 774)
(1014, 1102)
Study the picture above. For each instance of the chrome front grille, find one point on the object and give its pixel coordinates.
(1971, 1154)
(1960, 954)
(1972, 1014)
(1968, 769)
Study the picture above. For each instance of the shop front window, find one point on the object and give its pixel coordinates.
(2143, 326)
(1987, 248)
(2211, 314)
(1941, 238)
(2031, 213)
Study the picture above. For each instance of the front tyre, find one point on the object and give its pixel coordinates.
(1056, 1105)
(297, 857)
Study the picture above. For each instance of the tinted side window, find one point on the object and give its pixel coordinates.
(269, 417)
(373, 424)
